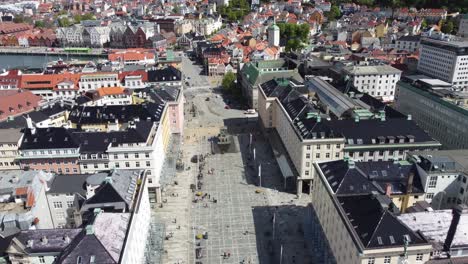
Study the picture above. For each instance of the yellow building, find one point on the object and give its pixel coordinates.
(381, 30)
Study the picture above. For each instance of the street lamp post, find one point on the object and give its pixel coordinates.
(260, 174)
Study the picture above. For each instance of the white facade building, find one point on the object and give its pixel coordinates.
(134, 82)
(360, 226)
(274, 35)
(443, 116)
(408, 43)
(445, 60)
(463, 26)
(98, 80)
(378, 81)
(9, 142)
(207, 26)
(444, 176)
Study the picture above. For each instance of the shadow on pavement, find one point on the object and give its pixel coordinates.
(292, 233)
(250, 141)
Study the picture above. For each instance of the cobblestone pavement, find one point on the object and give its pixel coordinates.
(250, 223)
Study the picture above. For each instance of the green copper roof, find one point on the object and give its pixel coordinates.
(274, 26)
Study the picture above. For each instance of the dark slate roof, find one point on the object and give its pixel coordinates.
(86, 246)
(56, 241)
(105, 194)
(110, 113)
(119, 187)
(305, 114)
(47, 138)
(370, 177)
(373, 128)
(164, 94)
(69, 184)
(410, 38)
(374, 103)
(36, 116)
(165, 75)
(97, 142)
(5, 243)
(375, 226)
(365, 130)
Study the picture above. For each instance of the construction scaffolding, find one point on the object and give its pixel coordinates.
(155, 245)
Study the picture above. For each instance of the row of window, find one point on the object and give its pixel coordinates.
(8, 164)
(318, 146)
(137, 164)
(136, 155)
(50, 152)
(59, 204)
(9, 145)
(372, 153)
(388, 259)
(327, 155)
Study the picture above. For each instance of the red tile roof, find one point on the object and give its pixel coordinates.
(47, 81)
(131, 55)
(13, 103)
(9, 27)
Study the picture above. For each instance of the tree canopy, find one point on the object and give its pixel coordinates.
(334, 13)
(235, 11)
(295, 34)
(228, 82)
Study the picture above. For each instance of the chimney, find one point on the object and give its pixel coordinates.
(388, 189)
(66, 238)
(351, 164)
(382, 115)
(409, 185)
(29, 124)
(89, 230)
(409, 117)
(356, 119)
(457, 212)
(30, 243)
(44, 240)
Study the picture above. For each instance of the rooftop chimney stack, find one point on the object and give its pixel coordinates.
(388, 190)
(457, 212)
(409, 185)
(382, 115)
(30, 125)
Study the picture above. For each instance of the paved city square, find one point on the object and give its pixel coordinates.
(247, 223)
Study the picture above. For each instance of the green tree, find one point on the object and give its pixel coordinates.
(293, 44)
(295, 34)
(88, 16)
(63, 22)
(334, 13)
(176, 9)
(228, 82)
(39, 24)
(424, 24)
(235, 11)
(447, 27)
(77, 18)
(18, 19)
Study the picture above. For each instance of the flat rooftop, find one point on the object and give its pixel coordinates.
(434, 225)
(460, 156)
(371, 70)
